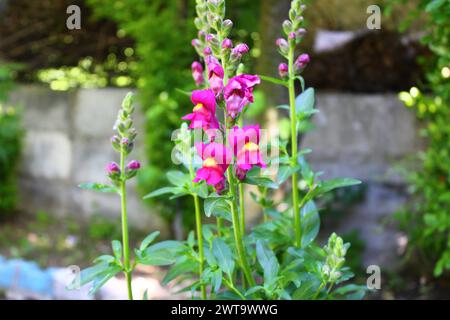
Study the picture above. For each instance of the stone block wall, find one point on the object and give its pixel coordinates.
(67, 143)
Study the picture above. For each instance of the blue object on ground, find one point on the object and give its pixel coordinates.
(25, 276)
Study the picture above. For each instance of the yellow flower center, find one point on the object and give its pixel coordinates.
(251, 146)
(198, 107)
(209, 162)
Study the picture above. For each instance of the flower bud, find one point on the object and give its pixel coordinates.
(207, 51)
(115, 141)
(127, 103)
(241, 49)
(125, 141)
(196, 43)
(287, 27)
(283, 70)
(227, 44)
(292, 36)
(283, 46)
(132, 169)
(227, 25)
(198, 23)
(300, 33)
(197, 73)
(201, 34)
(301, 62)
(210, 37)
(134, 165)
(113, 171)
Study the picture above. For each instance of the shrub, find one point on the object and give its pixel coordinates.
(10, 144)
(427, 218)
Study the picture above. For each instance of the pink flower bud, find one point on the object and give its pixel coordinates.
(112, 168)
(196, 43)
(210, 37)
(241, 49)
(133, 165)
(125, 141)
(302, 61)
(207, 51)
(201, 34)
(283, 70)
(197, 73)
(227, 44)
(300, 32)
(292, 36)
(283, 46)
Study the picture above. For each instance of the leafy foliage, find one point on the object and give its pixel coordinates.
(427, 219)
(11, 134)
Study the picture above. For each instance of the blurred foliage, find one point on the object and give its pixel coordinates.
(10, 143)
(427, 217)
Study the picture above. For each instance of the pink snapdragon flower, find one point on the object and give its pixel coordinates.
(204, 113)
(239, 92)
(216, 159)
(245, 145)
(215, 76)
(197, 73)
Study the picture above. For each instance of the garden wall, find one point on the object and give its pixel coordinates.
(359, 136)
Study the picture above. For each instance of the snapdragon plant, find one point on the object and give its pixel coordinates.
(277, 259)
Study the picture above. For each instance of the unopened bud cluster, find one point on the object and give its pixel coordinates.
(213, 32)
(336, 250)
(123, 143)
(294, 31)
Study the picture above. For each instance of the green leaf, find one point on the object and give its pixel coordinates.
(99, 187)
(223, 255)
(434, 5)
(106, 258)
(274, 80)
(101, 279)
(117, 249)
(148, 240)
(182, 265)
(200, 189)
(216, 280)
(178, 178)
(310, 223)
(308, 288)
(268, 262)
(285, 171)
(160, 254)
(328, 185)
(304, 103)
(254, 178)
(218, 207)
(161, 191)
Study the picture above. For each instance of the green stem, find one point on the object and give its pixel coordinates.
(318, 290)
(229, 284)
(237, 231)
(242, 207)
(293, 116)
(125, 242)
(198, 224)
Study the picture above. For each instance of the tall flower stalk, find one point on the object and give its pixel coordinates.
(294, 32)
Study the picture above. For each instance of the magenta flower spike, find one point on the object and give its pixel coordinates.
(239, 92)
